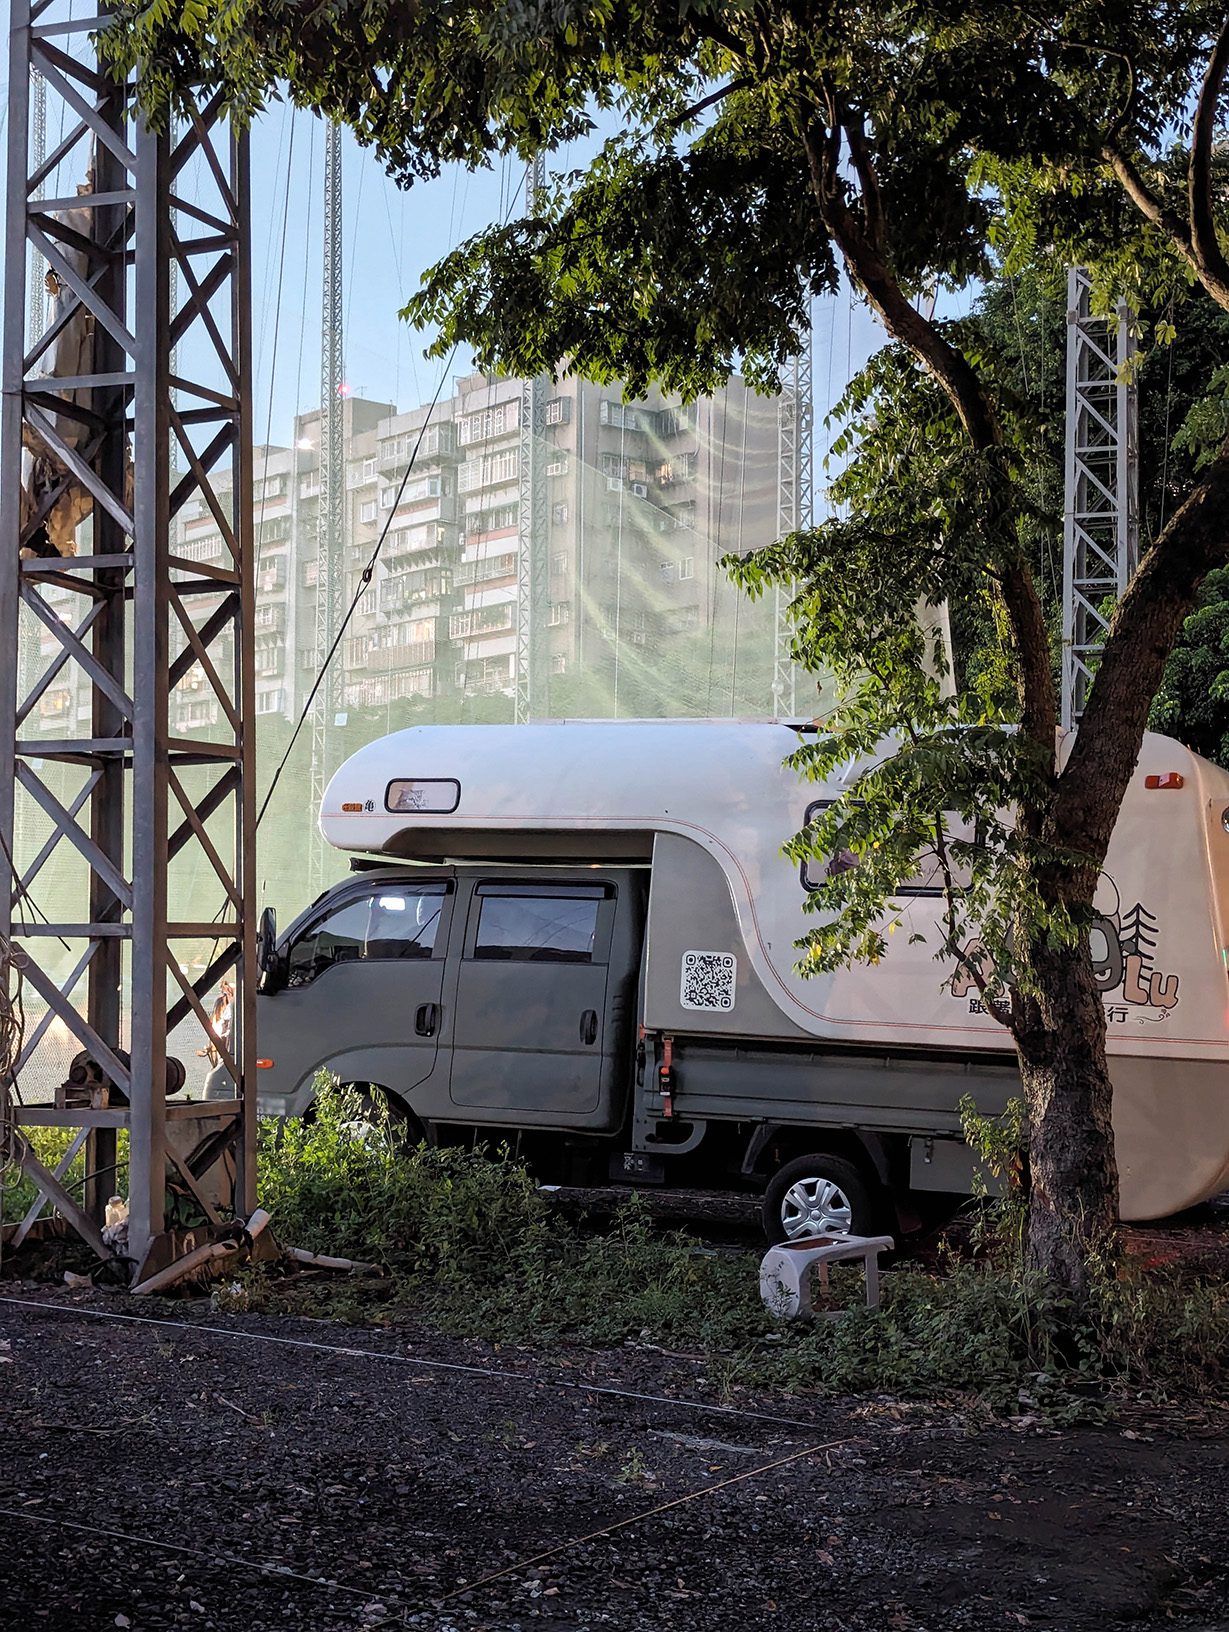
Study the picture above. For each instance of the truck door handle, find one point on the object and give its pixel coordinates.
(426, 1018)
(588, 1026)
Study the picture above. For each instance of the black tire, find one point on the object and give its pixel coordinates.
(384, 1108)
(848, 1183)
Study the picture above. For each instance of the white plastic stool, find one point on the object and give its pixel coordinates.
(785, 1271)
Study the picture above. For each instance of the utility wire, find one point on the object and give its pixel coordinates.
(420, 1362)
(633, 1518)
(364, 581)
(368, 572)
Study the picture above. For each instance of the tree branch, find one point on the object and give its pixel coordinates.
(863, 163)
(718, 95)
(1209, 259)
(868, 265)
(1147, 202)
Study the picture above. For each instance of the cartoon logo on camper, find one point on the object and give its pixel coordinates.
(1123, 947)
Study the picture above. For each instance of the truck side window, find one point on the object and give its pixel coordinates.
(398, 921)
(928, 880)
(554, 924)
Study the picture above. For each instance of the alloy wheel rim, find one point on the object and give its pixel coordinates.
(815, 1207)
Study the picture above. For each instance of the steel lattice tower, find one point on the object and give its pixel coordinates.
(531, 536)
(331, 514)
(795, 501)
(36, 322)
(1101, 504)
(122, 791)
(37, 298)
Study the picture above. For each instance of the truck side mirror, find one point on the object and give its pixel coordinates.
(269, 973)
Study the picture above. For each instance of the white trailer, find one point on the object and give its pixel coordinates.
(715, 1054)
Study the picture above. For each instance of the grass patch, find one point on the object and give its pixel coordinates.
(50, 1145)
(471, 1247)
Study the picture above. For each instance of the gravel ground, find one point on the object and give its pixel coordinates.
(203, 1463)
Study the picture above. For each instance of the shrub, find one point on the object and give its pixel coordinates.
(472, 1246)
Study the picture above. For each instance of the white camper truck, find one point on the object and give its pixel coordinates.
(579, 938)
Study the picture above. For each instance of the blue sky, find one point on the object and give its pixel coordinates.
(391, 237)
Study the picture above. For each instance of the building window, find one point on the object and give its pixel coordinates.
(489, 422)
(622, 416)
(488, 471)
(557, 464)
(559, 665)
(687, 567)
(667, 572)
(558, 411)
(54, 704)
(559, 613)
(269, 660)
(559, 561)
(426, 487)
(367, 510)
(558, 515)
(270, 702)
(495, 520)
(369, 469)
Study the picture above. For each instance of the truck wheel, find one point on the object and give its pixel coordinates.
(817, 1195)
(383, 1114)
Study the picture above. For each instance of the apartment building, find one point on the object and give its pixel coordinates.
(634, 505)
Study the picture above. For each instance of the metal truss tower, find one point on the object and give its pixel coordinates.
(36, 322)
(37, 299)
(331, 515)
(88, 423)
(795, 502)
(531, 577)
(1101, 504)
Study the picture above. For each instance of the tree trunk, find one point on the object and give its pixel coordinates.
(1073, 1175)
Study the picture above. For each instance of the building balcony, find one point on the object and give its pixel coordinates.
(414, 654)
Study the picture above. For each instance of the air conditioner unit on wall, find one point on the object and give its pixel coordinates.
(640, 489)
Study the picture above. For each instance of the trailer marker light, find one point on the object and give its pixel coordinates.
(1170, 779)
(264, 1065)
(352, 807)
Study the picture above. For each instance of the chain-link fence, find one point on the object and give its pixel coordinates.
(47, 1066)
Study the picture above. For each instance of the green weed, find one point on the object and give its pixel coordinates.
(470, 1246)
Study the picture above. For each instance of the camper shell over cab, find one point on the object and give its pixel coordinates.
(581, 937)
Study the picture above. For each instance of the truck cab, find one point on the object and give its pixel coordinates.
(492, 999)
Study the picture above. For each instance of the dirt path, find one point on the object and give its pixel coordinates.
(203, 1461)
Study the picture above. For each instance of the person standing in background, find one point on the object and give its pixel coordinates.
(218, 1084)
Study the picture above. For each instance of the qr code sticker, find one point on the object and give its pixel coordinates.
(708, 980)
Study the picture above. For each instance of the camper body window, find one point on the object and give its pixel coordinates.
(398, 921)
(927, 880)
(553, 925)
